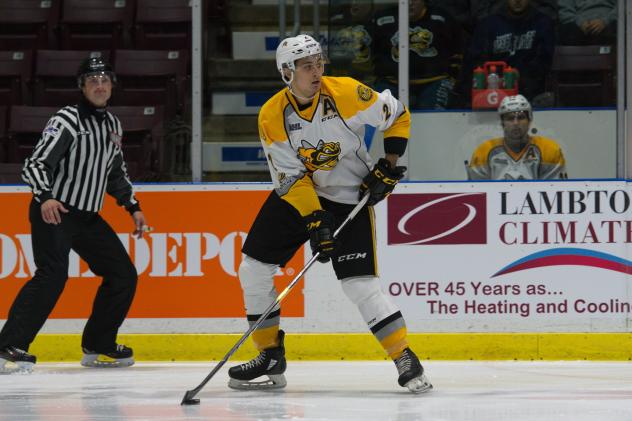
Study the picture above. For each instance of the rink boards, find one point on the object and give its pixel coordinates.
(479, 270)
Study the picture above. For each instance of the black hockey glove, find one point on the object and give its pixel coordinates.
(381, 181)
(321, 226)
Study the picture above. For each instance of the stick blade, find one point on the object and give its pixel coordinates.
(188, 399)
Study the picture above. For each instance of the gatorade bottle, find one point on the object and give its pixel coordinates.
(478, 78)
(509, 77)
(493, 80)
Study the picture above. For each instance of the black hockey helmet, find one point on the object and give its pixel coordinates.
(94, 66)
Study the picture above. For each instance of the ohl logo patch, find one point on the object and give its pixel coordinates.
(437, 218)
(323, 156)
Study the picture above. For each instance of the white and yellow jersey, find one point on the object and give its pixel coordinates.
(540, 159)
(319, 150)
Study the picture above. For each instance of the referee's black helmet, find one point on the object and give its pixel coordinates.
(94, 66)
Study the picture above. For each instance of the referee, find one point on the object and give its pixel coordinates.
(75, 162)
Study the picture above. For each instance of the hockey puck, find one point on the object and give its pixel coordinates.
(190, 402)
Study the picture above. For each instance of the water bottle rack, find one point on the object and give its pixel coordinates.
(485, 98)
(490, 98)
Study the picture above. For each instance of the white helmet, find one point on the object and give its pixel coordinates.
(292, 49)
(515, 103)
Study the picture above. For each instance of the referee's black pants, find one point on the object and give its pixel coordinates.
(95, 242)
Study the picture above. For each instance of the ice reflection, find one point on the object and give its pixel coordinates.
(516, 391)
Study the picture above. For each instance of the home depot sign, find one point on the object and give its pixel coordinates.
(187, 266)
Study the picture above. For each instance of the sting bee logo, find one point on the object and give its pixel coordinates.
(323, 156)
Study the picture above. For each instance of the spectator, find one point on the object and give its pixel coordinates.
(435, 54)
(350, 47)
(459, 10)
(522, 37)
(468, 12)
(483, 8)
(517, 155)
(588, 22)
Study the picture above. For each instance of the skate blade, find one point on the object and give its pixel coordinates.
(419, 384)
(20, 367)
(275, 381)
(101, 361)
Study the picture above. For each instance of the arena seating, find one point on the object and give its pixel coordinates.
(151, 77)
(25, 126)
(142, 138)
(3, 133)
(96, 24)
(42, 43)
(583, 75)
(28, 24)
(15, 77)
(162, 25)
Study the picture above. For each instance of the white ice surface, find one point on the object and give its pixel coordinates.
(476, 391)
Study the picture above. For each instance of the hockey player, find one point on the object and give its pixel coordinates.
(312, 134)
(435, 43)
(76, 161)
(517, 155)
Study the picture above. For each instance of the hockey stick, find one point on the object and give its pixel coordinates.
(190, 394)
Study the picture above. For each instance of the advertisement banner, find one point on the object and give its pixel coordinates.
(187, 265)
(509, 256)
(454, 257)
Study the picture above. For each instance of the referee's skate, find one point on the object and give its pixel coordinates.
(122, 356)
(16, 360)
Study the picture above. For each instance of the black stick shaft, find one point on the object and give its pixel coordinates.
(190, 394)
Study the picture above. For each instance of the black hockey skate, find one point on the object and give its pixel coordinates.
(20, 360)
(411, 373)
(122, 356)
(270, 362)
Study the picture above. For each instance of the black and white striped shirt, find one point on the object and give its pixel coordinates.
(78, 159)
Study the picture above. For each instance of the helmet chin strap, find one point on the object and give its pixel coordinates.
(289, 87)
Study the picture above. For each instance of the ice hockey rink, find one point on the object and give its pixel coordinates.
(359, 390)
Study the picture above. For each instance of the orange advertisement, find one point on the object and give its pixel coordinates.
(187, 265)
